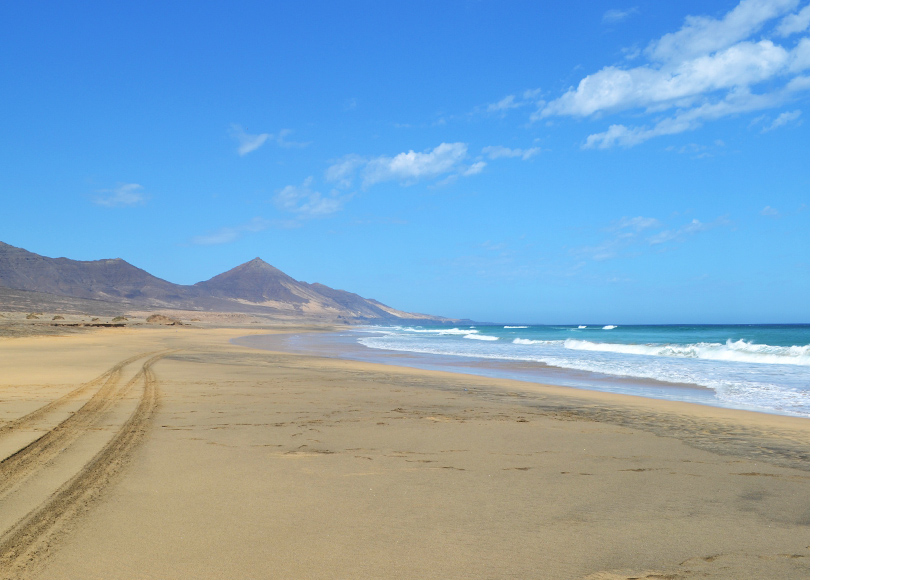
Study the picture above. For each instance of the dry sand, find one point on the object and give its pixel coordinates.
(169, 453)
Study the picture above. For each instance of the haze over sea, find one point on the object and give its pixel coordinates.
(762, 367)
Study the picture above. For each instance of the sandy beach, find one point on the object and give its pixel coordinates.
(171, 453)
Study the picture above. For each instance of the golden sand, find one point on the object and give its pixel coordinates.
(170, 453)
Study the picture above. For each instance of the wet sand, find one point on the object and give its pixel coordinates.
(172, 453)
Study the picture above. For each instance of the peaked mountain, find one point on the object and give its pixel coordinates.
(257, 282)
(253, 287)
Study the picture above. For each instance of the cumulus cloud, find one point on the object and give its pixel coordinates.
(412, 166)
(125, 194)
(448, 160)
(704, 35)
(735, 102)
(794, 23)
(709, 68)
(769, 211)
(498, 152)
(613, 89)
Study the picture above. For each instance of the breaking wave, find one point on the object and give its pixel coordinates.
(736, 351)
(531, 341)
(438, 331)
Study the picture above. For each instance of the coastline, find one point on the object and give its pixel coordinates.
(270, 465)
(339, 343)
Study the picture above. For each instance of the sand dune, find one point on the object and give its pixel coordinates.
(170, 453)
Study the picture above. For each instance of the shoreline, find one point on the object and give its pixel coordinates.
(271, 465)
(523, 371)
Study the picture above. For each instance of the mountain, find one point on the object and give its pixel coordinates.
(112, 280)
(259, 283)
(253, 287)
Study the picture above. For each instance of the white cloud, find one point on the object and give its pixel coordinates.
(783, 119)
(514, 101)
(735, 102)
(703, 35)
(613, 89)
(247, 142)
(615, 15)
(769, 211)
(497, 152)
(475, 168)
(446, 159)
(412, 166)
(799, 57)
(125, 194)
(706, 70)
(794, 23)
(503, 104)
(305, 202)
(342, 171)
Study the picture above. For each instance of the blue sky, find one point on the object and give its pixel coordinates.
(504, 161)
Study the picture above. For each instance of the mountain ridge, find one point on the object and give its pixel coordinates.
(252, 287)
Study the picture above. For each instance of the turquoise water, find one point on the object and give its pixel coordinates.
(760, 367)
(756, 367)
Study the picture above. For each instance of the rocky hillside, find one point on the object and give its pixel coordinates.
(253, 287)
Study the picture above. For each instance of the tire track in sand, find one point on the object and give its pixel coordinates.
(27, 460)
(31, 540)
(30, 419)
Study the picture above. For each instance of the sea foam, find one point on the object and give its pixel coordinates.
(532, 341)
(738, 351)
(439, 331)
(739, 372)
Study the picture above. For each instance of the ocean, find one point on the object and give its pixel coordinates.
(759, 367)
